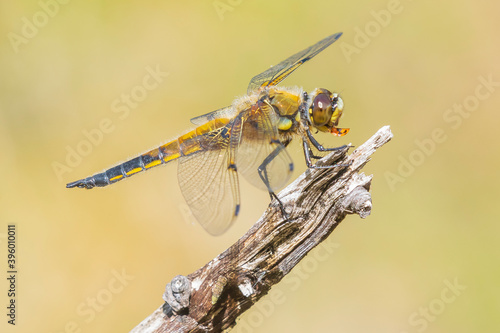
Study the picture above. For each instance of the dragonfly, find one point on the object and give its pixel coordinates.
(247, 138)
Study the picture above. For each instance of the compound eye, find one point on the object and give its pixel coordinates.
(321, 109)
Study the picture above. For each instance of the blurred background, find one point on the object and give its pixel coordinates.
(73, 101)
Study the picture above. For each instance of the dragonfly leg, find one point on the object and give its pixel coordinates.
(319, 147)
(308, 154)
(265, 177)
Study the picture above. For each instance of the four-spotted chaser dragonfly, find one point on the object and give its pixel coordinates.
(246, 138)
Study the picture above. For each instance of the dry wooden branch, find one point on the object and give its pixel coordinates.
(210, 299)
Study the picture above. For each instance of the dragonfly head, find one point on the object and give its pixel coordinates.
(325, 111)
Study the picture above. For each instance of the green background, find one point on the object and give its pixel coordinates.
(434, 221)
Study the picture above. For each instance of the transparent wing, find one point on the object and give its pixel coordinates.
(210, 185)
(259, 144)
(227, 112)
(279, 72)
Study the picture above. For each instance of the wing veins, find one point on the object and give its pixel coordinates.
(279, 72)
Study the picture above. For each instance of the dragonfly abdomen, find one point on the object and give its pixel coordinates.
(121, 171)
(184, 145)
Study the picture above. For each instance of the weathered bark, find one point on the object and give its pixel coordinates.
(210, 299)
